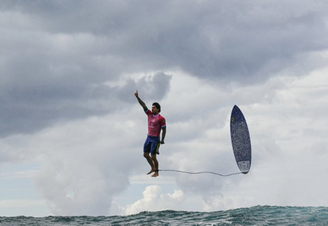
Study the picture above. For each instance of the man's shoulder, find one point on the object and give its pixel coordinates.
(162, 119)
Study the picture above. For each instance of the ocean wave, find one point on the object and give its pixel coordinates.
(257, 215)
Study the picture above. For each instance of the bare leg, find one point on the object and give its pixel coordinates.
(154, 159)
(150, 161)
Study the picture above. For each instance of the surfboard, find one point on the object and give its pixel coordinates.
(240, 139)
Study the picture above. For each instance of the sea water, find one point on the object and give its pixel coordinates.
(258, 215)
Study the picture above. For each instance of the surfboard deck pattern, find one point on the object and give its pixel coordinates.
(240, 139)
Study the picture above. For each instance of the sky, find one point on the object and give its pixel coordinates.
(72, 131)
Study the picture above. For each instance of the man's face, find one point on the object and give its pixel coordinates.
(154, 110)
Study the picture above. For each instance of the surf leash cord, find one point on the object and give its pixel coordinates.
(203, 172)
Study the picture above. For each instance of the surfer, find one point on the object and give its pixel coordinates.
(156, 124)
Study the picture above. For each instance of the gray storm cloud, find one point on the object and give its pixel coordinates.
(32, 107)
(56, 54)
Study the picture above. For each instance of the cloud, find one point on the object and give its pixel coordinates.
(56, 66)
(29, 108)
(69, 71)
(287, 133)
(86, 163)
(89, 160)
(154, 200)
(91, 166)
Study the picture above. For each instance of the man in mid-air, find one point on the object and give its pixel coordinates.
(156, 124)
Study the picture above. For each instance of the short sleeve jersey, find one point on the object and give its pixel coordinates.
(155, 123)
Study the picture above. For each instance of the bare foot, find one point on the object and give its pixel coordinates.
(151, 171)
(155, 174)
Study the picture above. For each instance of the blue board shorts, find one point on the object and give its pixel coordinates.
(152, 145)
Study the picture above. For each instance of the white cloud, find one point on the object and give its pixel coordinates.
(85, 164)
(287, 132)
(154, 200)
(88, 168)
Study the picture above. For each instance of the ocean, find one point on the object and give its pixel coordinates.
(257, 215)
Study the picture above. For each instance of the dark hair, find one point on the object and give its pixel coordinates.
(157, 106)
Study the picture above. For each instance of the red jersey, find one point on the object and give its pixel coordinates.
(155, 124)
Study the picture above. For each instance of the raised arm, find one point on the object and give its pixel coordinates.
(143, 105)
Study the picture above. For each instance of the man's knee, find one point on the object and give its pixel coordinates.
(146, 155)
(153, 157)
